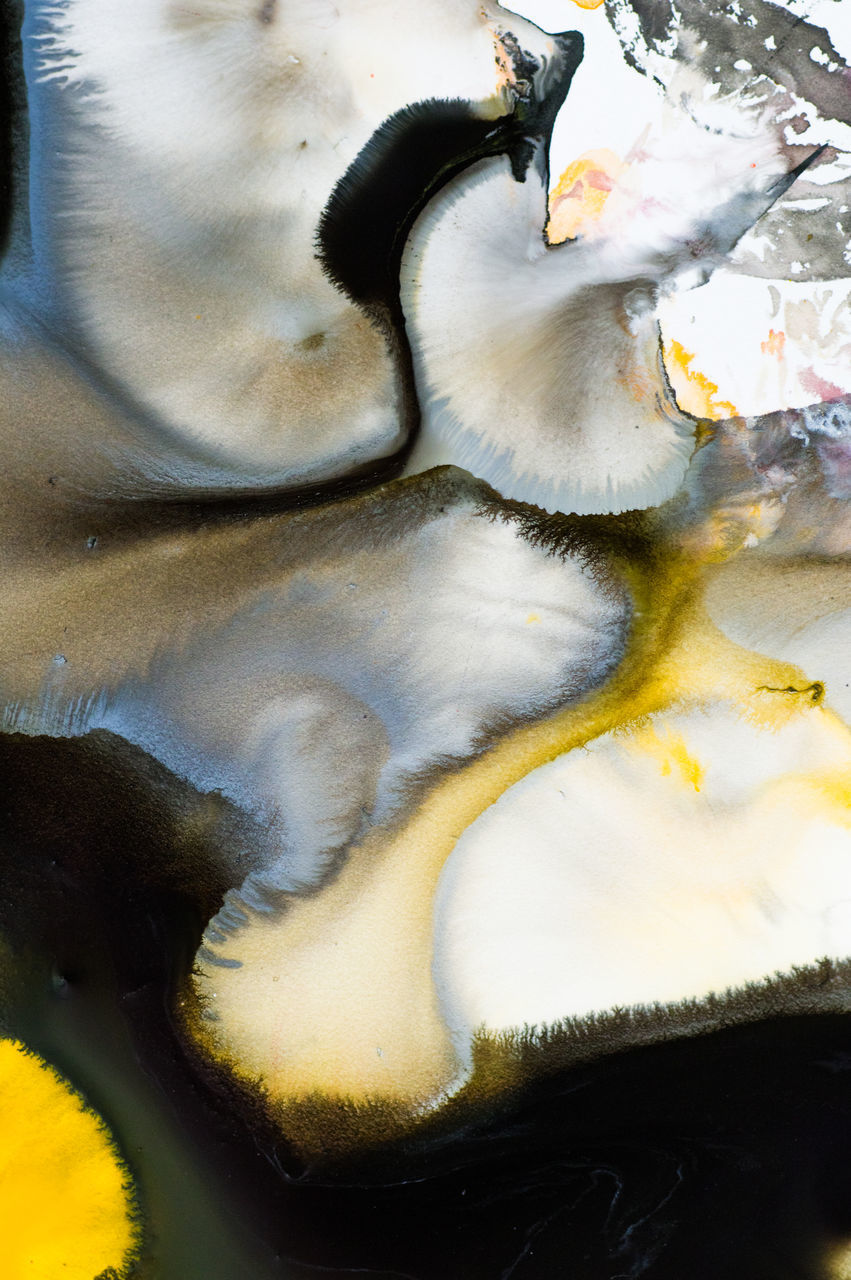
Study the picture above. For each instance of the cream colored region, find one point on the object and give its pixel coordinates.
(337, 994)
(687, 856)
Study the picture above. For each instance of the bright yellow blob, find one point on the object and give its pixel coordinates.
(65, 1198)
(694, 392)
(579, 197)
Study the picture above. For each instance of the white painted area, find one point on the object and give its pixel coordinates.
(607, 879)
(608, 103)
(185, 83)
(729, 324)
(833, 15)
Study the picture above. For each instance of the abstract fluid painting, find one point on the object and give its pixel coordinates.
(425, 640)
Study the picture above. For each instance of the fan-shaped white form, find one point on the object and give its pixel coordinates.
(540, 367)
(689, 854)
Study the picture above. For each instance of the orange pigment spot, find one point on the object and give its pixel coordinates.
(695, 393)
(774, 344)
(640, 384)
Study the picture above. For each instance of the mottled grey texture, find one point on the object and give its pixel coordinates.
(726, 45)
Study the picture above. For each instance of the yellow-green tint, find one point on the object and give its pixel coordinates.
(66, 1201)
(839, 1262)
(670, 751)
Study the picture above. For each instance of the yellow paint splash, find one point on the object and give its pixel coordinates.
(670, 752)
(695, 393)
(579, 197)
(65, 1200)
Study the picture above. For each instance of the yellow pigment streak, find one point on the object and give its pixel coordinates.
(294, 1013)
(670, 752)
(694, 392)
(579, 197)
(65, 1203)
